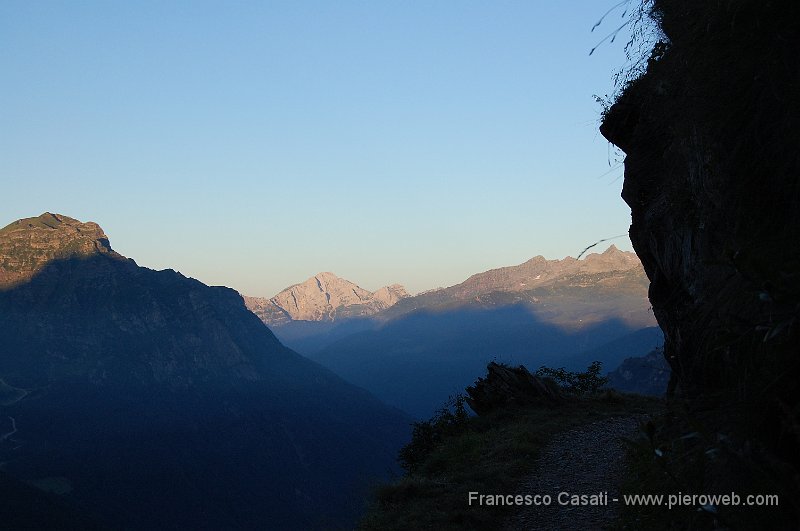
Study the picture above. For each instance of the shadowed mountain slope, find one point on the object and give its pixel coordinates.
(153, 401)
(644, 375)
(415, 362)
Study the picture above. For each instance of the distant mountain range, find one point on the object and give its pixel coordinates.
(326, 297)
(418, 350)
(612, 272)
(147, 400)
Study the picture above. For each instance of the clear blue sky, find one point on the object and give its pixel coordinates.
(253, 144)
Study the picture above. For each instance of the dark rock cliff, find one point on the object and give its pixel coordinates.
(711, 176)
(710, 134)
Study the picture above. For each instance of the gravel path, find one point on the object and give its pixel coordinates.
(587, 460)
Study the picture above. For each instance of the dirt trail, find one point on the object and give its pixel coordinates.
(586, 460)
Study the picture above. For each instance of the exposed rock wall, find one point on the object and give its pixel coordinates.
(711, 176)
(711, 135)
(27, 245)
(506, 386)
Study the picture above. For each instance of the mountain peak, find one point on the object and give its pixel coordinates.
(56, 232)
(28, 244)
(389, 295)
(319, 298)
(612, 258)
(324, 297)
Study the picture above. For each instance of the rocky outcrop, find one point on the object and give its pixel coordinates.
(712, 176)
(27, 245)
(324, 297)
(505, 387)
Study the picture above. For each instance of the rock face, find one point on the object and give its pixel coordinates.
(29, 244)
(324, 297)
(713, 186)
(712, 176)
(506, 387)
(153, 401)
(389, 295)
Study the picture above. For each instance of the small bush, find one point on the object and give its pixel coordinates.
(426, 436)
(580, 383)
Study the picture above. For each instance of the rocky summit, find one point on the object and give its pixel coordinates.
(29, 244)
(324, 297)
(148, 400)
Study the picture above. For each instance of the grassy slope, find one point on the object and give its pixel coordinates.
(494, 454)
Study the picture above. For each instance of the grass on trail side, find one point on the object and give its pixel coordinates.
(691, 450)
(492, 455)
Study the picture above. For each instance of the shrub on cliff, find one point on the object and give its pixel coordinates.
(449, 421)
(579, 383)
